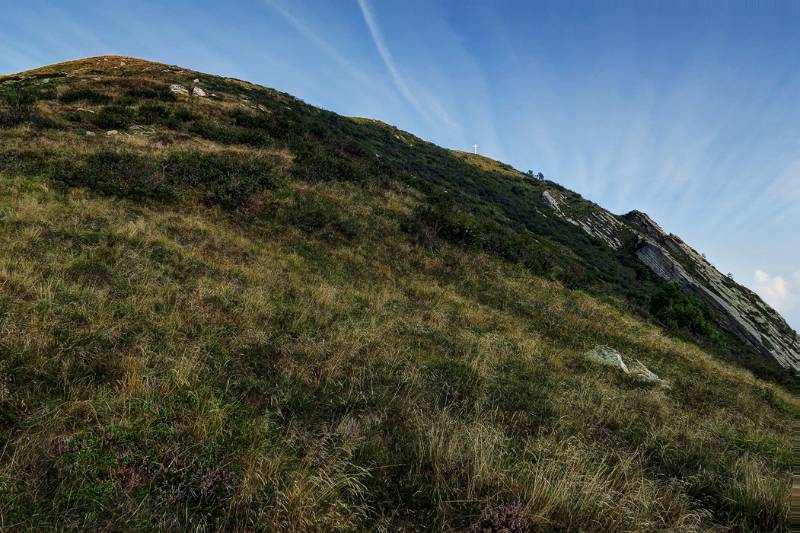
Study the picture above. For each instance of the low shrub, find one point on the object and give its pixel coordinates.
(229, 179)
(84, 95)
(506, 518)
(152, 93)
(153, 113)
(115, 172)
(17, 105)
(113, 117)
(312, 213)
(226, 134)
(678, 310)
(321, 166)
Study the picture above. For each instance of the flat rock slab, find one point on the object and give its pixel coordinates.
(607, 356)
(637, 371)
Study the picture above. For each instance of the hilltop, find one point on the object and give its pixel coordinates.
(222, 307)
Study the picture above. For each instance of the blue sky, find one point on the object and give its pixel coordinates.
(689, 111)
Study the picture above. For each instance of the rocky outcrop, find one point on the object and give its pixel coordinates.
(598, 223)
(738, 310)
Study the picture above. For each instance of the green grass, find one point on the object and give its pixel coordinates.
(196, 334)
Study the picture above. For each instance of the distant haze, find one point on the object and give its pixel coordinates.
(687, 111)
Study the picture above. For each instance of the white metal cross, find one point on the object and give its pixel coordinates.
(475, 147)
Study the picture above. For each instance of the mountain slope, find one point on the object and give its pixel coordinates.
(242, 312)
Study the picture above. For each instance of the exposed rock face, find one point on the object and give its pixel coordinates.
(598, 223)
(741, 311)
(738, 309)
(548, 199)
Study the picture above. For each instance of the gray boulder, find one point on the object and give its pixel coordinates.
(641, 374)
(179, 89)
(638, 372)
(607, 356)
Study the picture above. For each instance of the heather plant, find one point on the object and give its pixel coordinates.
(506, 518)
(17, 106)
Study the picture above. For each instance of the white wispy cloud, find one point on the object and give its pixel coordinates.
(387, 57)
(432, 111)
(323, 45)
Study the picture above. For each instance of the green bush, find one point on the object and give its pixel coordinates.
(229, 179)
(321, 166)
(17, 106)
(678, 310)
(442, 218)
(113, 117)
(183, 114)
(226, 134)
(244, 119)
(152, 93)
(153, 113)
(84, 95)
(120, 173)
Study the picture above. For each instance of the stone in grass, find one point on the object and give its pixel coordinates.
(179, 89)
(197, 91)
(607, 356)
(641, 374)
(637, 372)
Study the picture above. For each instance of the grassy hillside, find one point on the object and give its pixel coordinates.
(244, 313)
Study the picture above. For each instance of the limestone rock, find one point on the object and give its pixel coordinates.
(197, 91)
(549, 201)
(598, 223)
(637, 371)
(179, 89)
(607, 356)
(112, 132)
(641, 374)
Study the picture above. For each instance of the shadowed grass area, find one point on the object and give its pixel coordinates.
(233, 321)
